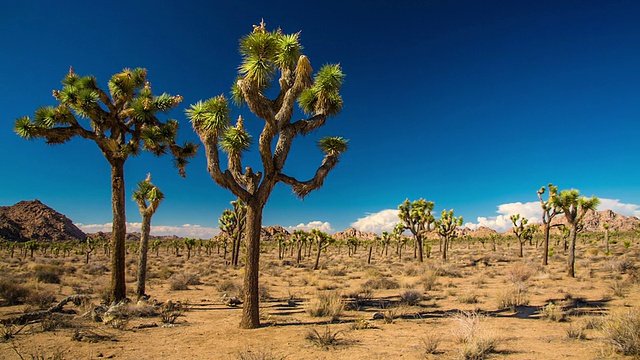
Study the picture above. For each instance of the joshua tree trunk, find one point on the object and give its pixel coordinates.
(444, 246)
(545, 250)
(571, 258)
(251, 306)
(142, 256)
(118, 286)
(369, 258)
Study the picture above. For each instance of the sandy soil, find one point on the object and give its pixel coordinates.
(447, 291)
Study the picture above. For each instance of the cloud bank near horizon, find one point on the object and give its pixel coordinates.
(384, 220)
(317, 224)
(186, 230)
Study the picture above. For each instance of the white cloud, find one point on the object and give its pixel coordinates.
(322, 226)
(384, 220)
(618, 207)
(186, 230)
(502, 222)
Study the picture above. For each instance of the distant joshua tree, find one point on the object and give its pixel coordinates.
(549, 211)
(266, 54)
(446, 228)
(121, 123)
(574, 207)
(417, 218)
(234, 223)
(322, 240)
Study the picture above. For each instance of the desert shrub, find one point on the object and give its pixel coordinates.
(170, 311)
(381, 283)
(410, 297)
(325, 338)
(230, 287)
(520, 272)
(619, 289)
(328, 303)
(263, 292)
(553, 312)
(12, 291)
(576, 332)
(182, 280)
(430, 343)
(337, 272)
(620, 265)
(55, 321)
(95, 269)
(621, 331)
(48, 273)
(40, 298)
(429, 280)
(250, 354)
(361, 324)
(471, 331)
(447, 271)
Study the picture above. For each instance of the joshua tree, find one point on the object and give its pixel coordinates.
(148, 197)
(120, 123)
(322, 241)
(189, 243)
(89, 245)
(300, 237)
(548, 213)
(264, 55)
(574, 207)
(155, 246)
(416, 217)
(519, 229)
(234, 223)
(31, 245)
(606, 237)
(446, 228)
(386, 240)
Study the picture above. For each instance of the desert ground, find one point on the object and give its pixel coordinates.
(480, 303)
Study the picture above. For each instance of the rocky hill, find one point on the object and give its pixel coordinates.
(33, 220)
(594, 221)
(351, 232)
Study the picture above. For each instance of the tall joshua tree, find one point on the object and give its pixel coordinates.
(519, 226)
(148, 197)
(417, 218)
(446, 228)
(121, 123)
(575, 207)
(265, 54)
(549, 211)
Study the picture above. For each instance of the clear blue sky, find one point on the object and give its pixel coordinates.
(471, 104)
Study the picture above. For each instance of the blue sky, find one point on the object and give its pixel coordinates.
(471, 104)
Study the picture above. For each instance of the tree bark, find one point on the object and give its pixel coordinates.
(251, 306)
(571, 258)
(142, 256)
(545, 251)
(444, 246)
(317, 263)
(118, 286)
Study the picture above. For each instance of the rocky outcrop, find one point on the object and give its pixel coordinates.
(352, 232)
(271, 232)
(33, 220)
(594, 221)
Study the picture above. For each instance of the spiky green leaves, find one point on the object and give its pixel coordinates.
(123, 85)
(333, 145)
(235, 139)
(145, 193)
(323, 97)
(210, 117)
(264, 52)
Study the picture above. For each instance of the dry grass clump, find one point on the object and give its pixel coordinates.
(327, 303)
(620, 265)
(621, 332)
(471, 331)
(251, 354)
(410, 297)
(511, 297)
(381, 283)
(430, 343)
(170, 311)
(326, 338)
(429, 279)
(40, 298)
(468, 298)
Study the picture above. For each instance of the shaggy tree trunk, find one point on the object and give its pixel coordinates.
(571, 258)
(251, 306)
(369, 258)
(142, 256)
(118, 286)
(445, 245)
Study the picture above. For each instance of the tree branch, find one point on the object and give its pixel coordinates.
(303, 188)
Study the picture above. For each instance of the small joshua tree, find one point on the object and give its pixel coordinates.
(233, 223)
(322, 240)
(549, 211)
(446, 228)
(519, 226)
(148, 197)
